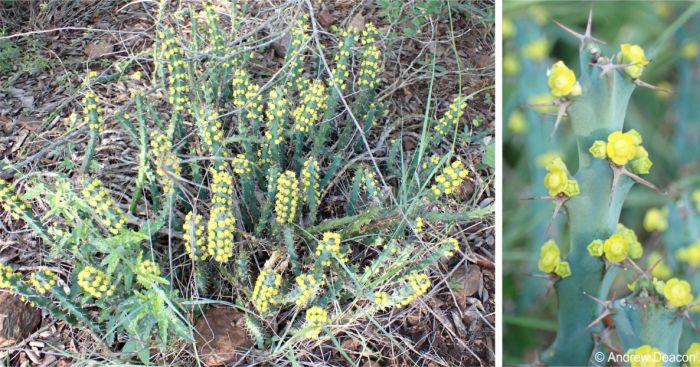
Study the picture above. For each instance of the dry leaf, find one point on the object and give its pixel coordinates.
(98, 49)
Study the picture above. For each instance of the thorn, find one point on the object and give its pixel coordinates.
(641, 181)
(637, 268)
(586, 37)
(540, 198)
(643, 84)
(600, 318)
(559, 200)
(610, 67)
(560, 114)
(604, 303)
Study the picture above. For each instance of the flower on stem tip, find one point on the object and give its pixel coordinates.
(562, 81)
(678, 293)
(635, 56)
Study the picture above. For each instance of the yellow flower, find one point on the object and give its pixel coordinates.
(621, 147)
(635, 249)
(287, 197)
(557, 181)
(7, 277)
(641, 166)
(511, 66)
(95, 282)
(517, 124)
(656, 220)
(549, 257)
(562, 81)
(690, 51)
(645, 356)
(563, 269)
(43, 280)
(633, 55)
(690, 254)
(615, 248)
(595, 248)
(316, 317)
(599, 149)
(693, 354)
(678, 293)
(381, 299)
(696, 199)
(536, 50)
(508, 29)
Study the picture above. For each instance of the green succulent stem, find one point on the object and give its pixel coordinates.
(593, 214)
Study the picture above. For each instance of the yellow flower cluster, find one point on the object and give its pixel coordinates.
(369, 183)
(446, 124)
(562, 81)
(330, 245)
(309, 174)
(308, 286)
(295, 55)
(693, 354)
(419, 225)
(381, 299)
(450, 179)
(696, 199)
(313, 102)
(211, 131)
(166, 161)
(620, 245)
(11, 202)
(193, 234)
(241, 165)
(221, 186)
(622, 148)
(178, 77)
(678, 292)
(7, 277)
(417, 285)
(550, 260)
(43, 280)
(286, 197)
(645, 356)
(432, 162)
(656, 219)
(95, 282)
(316, 317)
(92, 111)
(220, 228)
(98, 198)
(511, 65)
(557, 180)
(277, 106)
(341, 72)
(267, 288)
(246, 94)
(370, 65)
(690, 254)
(635, 57)
(214, 34)
(149, 267)
(454, 247)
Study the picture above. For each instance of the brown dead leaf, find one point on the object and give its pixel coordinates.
(28, 122)
(98, 49)
(17, 319)
(221, 336)
(357, 22)
(325, 18)
(468, 281)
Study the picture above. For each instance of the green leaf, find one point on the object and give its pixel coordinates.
(489, 157)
